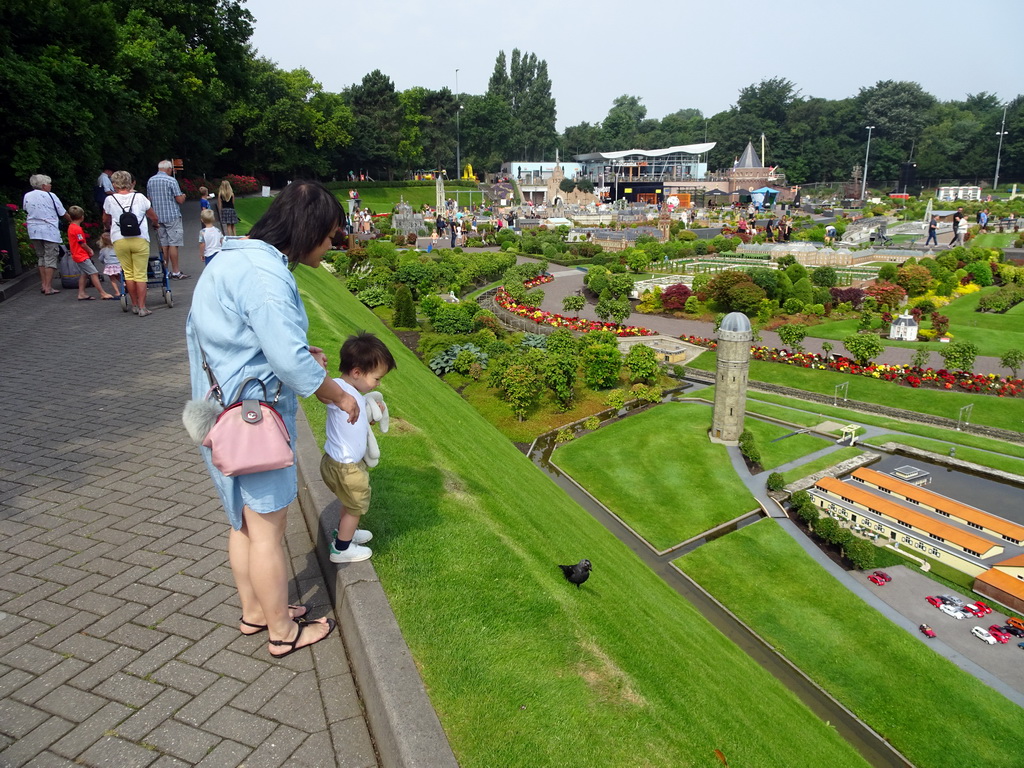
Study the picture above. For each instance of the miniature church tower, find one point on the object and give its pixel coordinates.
(734, 337)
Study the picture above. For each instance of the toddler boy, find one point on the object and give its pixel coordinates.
(81, 252)
(210, 238)
(365, 360)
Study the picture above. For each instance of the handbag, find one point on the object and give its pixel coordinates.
(249, 435)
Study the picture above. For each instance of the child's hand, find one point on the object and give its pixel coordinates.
(319, 355)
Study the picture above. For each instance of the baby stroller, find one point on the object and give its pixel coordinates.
(156, 274)
(880, 238)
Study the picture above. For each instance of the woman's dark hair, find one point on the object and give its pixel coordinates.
(299, 219)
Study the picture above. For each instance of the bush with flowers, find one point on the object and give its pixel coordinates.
(28, 254)
(242, 185)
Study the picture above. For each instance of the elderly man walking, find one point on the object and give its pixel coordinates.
(166, 196)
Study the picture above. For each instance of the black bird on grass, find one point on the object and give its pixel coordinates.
(577, 574)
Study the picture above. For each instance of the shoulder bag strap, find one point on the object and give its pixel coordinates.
(215, 389)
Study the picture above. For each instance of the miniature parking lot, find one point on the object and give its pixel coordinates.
(906, 594)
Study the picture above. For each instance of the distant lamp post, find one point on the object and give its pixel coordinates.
(458, 132)
(864, 181)
(999, 152)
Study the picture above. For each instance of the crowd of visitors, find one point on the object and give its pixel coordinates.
(122, 250)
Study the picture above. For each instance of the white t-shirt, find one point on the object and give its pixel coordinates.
(119, 203)
(43, 211)
(347, 442)
(214, 241)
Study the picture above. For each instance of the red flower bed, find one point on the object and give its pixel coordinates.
(541, 317)
(908, 375)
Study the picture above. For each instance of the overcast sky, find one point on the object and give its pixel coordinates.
(672, 55)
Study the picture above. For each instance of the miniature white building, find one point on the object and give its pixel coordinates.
(903, 328)
(958, 193)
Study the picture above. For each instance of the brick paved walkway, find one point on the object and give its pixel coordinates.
(119, 642)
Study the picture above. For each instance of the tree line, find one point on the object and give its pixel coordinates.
(94, 81)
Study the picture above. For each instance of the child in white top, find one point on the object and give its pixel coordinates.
(210, 238)
(365, 360)
(111, 264)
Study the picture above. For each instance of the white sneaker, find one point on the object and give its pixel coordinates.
(354, 554)
(359, 537)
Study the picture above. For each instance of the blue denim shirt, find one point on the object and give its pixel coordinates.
(249, 318)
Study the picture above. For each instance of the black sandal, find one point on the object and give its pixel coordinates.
(293, 646)
(262, 627)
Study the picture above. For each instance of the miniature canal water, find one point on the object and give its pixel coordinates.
(871, 746)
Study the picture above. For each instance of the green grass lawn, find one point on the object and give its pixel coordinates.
(544, 418)
(1004, 412)
(788, 449)
(819, 464)
(799, 417)
(994, 240)
(383, 199)
(522, 668)
(985, 444)
(985, 458)
(994, 334)
(677, 486)
(923, 704)
(378, 199)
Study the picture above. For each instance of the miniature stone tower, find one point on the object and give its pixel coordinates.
(734, 337)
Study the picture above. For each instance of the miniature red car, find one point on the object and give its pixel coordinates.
(876, 580)
(973, 610)
(934, 601)
(927, 631)
(882, 575)
(985, 610)
(997, 632)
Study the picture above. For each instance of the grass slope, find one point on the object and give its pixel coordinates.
(1005, 412)
(925, 706)
(680, 484)
(522, 668)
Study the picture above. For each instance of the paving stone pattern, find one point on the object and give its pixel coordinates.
(119, 642)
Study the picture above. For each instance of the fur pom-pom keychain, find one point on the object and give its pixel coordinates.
(199, 417)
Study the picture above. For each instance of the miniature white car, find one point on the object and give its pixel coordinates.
(956, 613)
(983, 634)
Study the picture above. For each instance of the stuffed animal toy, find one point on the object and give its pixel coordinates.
(377, 412)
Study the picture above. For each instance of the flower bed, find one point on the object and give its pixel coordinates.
(908, 375)
(539, 280)
(541, 317)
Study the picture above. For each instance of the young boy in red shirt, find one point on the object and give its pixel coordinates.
(82, 254)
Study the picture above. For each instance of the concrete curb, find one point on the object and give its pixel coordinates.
(402, 720)
(13, 285)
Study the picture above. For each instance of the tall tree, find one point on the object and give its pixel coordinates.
(378, 124)
(622, 124)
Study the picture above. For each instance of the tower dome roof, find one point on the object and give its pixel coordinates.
(735, 322)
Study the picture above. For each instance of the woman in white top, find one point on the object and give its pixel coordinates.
(132, 249)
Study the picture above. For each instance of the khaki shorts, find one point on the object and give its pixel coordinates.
(172, 233)
(47, 254)
(349, 482)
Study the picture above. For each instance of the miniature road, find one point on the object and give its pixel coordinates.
(119, 641)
